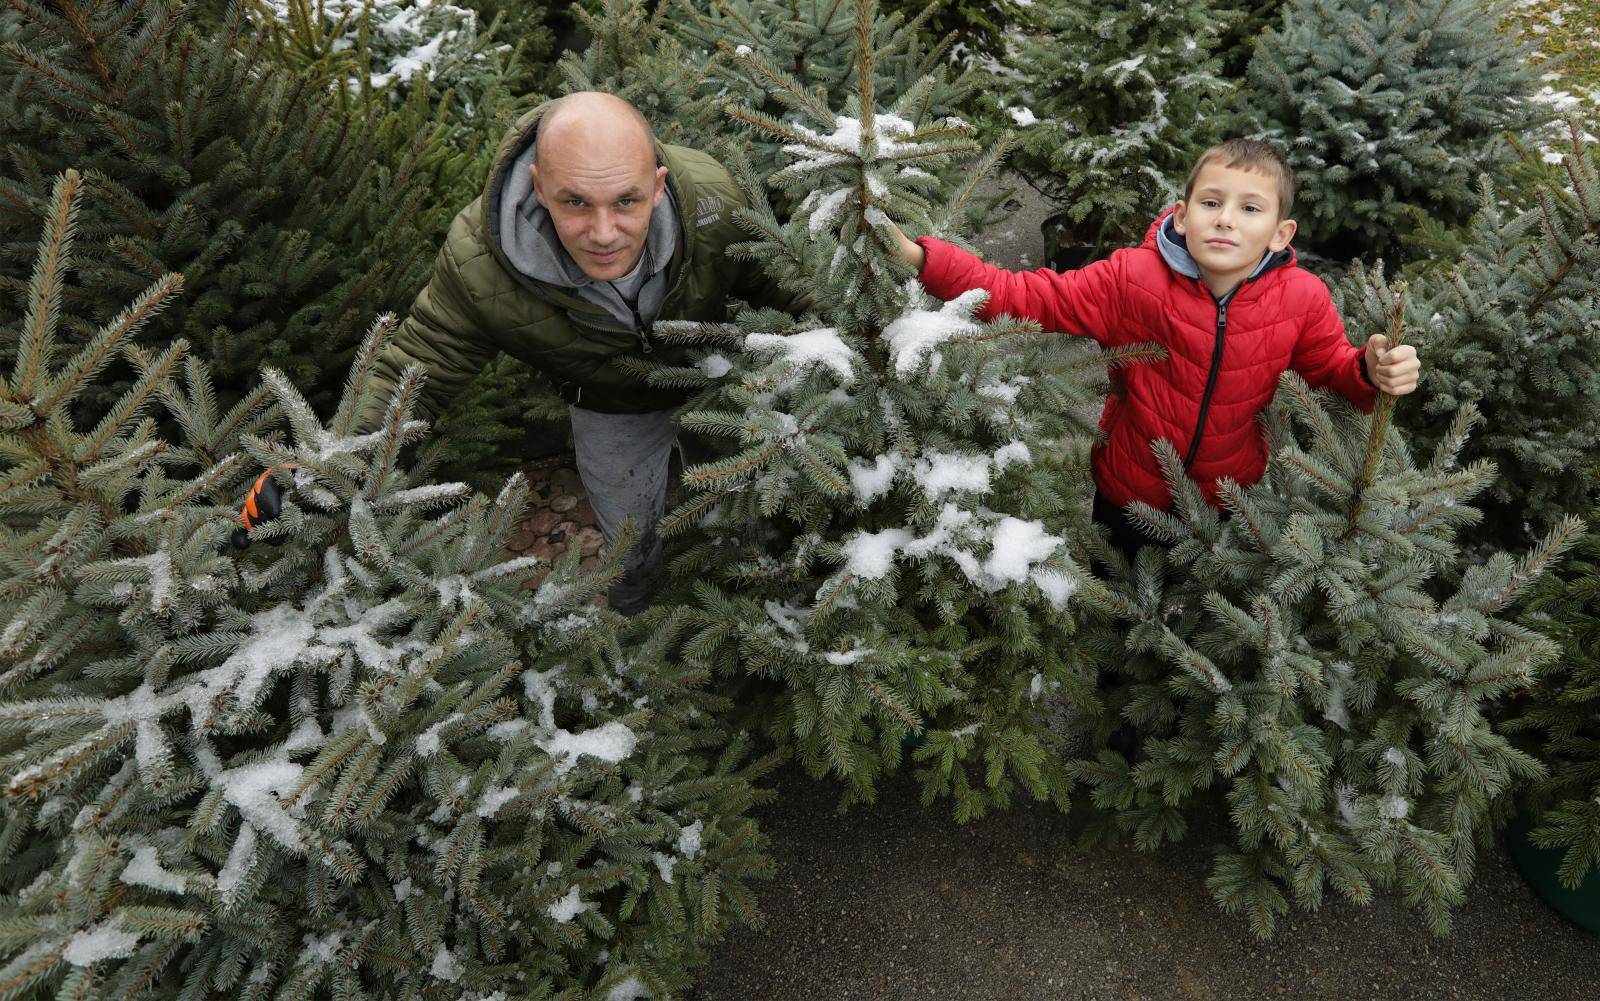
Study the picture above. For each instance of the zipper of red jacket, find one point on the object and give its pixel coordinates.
(1211, 377)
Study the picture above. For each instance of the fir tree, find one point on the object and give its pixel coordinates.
(1563, 715)
(1512, 330)
(641, 55)
(292, 218)
(384, 44)
(1388, 112)
(684, 63)
(883, 551)
(367, 762)
(979, 27)
(1113, 106)
(1326, 658)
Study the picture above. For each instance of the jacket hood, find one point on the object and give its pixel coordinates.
(1164, 237)
(523, 237)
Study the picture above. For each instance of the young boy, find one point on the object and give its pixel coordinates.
(1215, 283)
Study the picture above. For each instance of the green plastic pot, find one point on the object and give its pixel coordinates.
(1541, 868)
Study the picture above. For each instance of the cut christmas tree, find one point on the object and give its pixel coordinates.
(882, 554)
(1513, 329)
(1326, 660)
(1113, 105)
(365, 762)
(292, 219)
(1557, 841)
(1388, 112)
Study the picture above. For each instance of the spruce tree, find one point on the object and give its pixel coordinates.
(1325, 658)
(642, 55)
(386, 44)
(1513, 328)
(1113, 104)
(1562, 716)
(1388, 112)
(979, 27)
(292, 218)
(367, 762)
(882, 553)
(685, 61)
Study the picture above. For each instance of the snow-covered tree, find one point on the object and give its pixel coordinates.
(1326, 659)
(883, 551)
(1513, 328)
(384, 44)
(1389, 112)
(366, 762)
(684, 62)
(1113, 104)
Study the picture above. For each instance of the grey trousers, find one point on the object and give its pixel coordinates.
(623, 461)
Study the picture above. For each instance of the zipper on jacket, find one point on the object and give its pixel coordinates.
(639, 326)
(1211, 378)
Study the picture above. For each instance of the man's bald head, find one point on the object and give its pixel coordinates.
(598, 179)
(593, 120)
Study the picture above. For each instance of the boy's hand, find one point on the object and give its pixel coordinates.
(1393, 371)
(908, 251)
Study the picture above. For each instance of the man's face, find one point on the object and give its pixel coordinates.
(600, 201)
(1229, 221)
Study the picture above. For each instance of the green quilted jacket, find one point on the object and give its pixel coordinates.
(478, 304)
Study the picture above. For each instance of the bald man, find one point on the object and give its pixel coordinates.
(588, 232)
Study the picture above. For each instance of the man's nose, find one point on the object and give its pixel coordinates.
(604, 229)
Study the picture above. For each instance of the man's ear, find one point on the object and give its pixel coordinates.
(538, 193)
(1282, 236)
(661, 186)
(1180, 217)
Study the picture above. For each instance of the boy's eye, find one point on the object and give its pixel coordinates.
(1209, 203)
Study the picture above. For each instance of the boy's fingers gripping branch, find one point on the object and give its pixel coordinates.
(1393, 370)
(907, 249)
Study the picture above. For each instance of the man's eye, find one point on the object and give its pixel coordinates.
(627, 202)
(575, 202)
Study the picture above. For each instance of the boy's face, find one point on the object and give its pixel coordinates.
(1229, 221)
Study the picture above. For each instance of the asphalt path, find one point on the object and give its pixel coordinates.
(898, 901)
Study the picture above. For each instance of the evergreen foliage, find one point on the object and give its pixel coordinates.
(291, 217)
(1114, 104)
(383, 44)
(1563, 715)
(883, 552)
(685, 63)
(1327, 659)
(1513, 329)
(1388, 112)
(640, 54)
(1248, 21)
(978, 27)
(367, 762)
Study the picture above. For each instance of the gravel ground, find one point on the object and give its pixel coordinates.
(899, 901)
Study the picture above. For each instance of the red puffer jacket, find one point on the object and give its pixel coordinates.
(1223, 358)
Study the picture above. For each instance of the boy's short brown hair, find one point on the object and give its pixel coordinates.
(1249, 154)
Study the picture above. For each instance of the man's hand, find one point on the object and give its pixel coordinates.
(908, 251)
(1393, 370)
